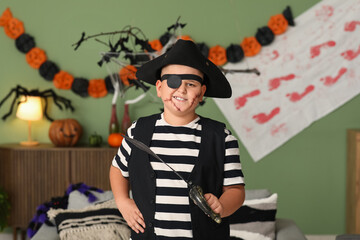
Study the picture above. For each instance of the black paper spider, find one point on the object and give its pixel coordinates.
(49, 93)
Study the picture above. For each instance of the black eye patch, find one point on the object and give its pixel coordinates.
(174, 80)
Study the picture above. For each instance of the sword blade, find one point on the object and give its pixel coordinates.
(146, 149)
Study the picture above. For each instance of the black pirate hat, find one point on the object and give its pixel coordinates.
(187, 53)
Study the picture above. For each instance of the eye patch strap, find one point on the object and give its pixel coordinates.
(174, 80)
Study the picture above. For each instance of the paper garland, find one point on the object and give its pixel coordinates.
(97, 88)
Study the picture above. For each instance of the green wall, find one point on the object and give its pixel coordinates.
(308, 172)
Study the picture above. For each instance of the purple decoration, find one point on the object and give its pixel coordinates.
(92, 198)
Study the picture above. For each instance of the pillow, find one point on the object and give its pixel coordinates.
(255, 219)
(78, 200)
(256, 193)
(46, 232)
(100, 221)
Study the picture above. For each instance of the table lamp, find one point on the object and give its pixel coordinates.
(29, 109)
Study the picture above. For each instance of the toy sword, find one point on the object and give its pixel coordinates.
(195, 193)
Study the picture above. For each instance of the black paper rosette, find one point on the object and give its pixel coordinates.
(288, 16)
(108, 83)
(141, 59)
(80, 86)
(204, 49)
(48, 70)
(165, 38)
(24, 43)
(234, 53)
(264, 36)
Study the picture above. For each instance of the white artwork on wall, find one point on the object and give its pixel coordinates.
(306, 73)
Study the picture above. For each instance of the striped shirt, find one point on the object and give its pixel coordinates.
(179, 147)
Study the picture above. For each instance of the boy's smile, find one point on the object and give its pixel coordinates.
(181, 101)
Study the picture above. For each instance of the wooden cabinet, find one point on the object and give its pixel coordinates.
(33, 175)
(353, 182)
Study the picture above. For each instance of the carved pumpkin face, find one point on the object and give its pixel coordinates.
(65, 132)
(217, 55)
(278, 24)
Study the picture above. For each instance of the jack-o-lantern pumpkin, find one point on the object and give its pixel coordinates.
(250, 46)
(97, 88)
(35, 57)
(63, 80)
(65, 132)
(217, 55)
(128, 73)
(14, 28)
(278, 24)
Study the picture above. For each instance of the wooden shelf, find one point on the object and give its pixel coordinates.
(33, 175)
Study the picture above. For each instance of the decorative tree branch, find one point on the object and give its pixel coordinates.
(252, 70)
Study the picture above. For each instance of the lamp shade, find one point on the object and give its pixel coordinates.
(30, 108)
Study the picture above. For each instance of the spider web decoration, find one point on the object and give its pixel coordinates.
(100, 87)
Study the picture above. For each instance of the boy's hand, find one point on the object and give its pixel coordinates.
(214, 203)
(132, 215)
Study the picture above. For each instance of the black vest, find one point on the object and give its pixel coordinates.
(208, 173)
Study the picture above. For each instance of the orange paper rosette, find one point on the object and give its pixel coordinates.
(35, 57)
(5, 17)
(250, 46)
(278, 24)
(63, 80)
(97, 88)
(156, 45)
(128, 73)
(217, 55)
(185, 37)
(14, 28)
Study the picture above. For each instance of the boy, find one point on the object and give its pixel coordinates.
(202, 150)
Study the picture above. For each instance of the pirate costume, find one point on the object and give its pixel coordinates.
(208, 156)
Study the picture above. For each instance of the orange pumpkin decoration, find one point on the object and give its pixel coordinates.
(128, 73)
(65, 132)
(63, 80)
(14, 28)
(35, 57)
(278, 24)
(251, 46)
(97, 88)
(5, 17)
(115, 140)
(185, 37)
(217, 55)
(156, 45)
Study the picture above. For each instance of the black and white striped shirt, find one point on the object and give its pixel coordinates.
(179, 147)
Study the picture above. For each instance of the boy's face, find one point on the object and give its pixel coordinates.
(184, 99)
